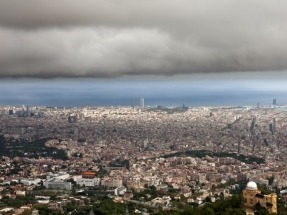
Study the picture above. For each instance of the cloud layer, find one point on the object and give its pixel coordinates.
(107, 38)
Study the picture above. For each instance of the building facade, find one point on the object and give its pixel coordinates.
(87, 182)
(57, 185)
(252, 195)
(142, 102)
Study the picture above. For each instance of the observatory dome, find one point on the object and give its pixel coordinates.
(251, 185)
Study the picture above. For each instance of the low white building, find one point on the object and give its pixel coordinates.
(5, 210)
(158, 201)
(30, 181)
(57, 184)
(20, 193)
(280, 183)
(111, 182)
(59, 176)
(88, 182)
(120, 190)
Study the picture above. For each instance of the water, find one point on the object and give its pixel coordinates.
(121, 92)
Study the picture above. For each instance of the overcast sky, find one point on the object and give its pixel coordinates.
(109, 38)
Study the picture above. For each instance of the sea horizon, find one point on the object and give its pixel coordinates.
(125, 92)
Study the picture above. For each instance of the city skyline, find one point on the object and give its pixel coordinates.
(133, 50)
(192, 91)
(143, 106)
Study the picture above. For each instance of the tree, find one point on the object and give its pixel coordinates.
(270, 180)
(209, 211)
(259, 210)
(27, 212)
(235, 211)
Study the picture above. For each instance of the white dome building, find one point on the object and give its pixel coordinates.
(251, 185)
(252, 195)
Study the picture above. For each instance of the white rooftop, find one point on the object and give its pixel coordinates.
(251, 185)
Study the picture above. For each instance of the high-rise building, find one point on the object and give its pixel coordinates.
(142, 102)
(274, 102)
(25, 111)
(274, 126)
(146, 143)
(28, 112)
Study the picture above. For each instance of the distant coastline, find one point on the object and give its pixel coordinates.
(106, 93)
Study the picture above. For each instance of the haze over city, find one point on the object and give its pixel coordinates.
(193, 91)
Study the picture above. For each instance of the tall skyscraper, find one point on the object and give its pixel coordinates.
(25, 111)
(28, 112)
(274, 102)
(142, 102)
(146, 143)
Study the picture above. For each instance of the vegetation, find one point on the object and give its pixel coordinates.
(203, 153)
(227, 206)
(230, 206)
(101, 172)
(264, 189)
(45, 210)
(169, 110)
(259, 210)
(147, 194)
(105, 206)
(120, 163)
(281, 207)
(17, 202)
(34, 149)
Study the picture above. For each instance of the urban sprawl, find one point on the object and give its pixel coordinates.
(58, 156)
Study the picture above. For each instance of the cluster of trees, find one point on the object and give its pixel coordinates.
(120, 163)
(17, 202)
(101, 172)
(203, 153)
(231, 206)
(105, 206)
(160, 108)
(34, 149)
(146, 194)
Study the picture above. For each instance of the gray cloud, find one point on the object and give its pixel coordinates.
(105, 38)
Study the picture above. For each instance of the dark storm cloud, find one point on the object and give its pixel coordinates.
(105, 38)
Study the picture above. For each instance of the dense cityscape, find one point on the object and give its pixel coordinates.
(148, 107)
(146, 159)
